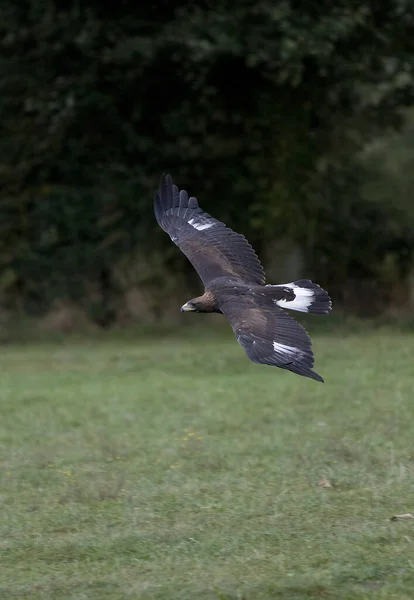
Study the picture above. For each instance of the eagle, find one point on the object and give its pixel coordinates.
(235, 285)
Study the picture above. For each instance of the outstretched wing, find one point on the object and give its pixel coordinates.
(268, 334)
(212, 248)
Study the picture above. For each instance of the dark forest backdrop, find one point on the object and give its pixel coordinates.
(289, 120)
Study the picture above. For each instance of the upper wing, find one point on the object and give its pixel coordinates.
(268, 334)
(213, 249)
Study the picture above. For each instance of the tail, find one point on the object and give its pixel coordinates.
(302, 295)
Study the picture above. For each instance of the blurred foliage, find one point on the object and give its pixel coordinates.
(263, 109)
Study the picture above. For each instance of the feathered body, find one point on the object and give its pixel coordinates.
(234, 282)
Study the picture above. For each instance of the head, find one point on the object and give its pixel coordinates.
(191, 306)
(205, 303)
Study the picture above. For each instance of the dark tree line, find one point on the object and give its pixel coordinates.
(262, 109)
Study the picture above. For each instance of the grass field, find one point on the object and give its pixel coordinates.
(173, 468)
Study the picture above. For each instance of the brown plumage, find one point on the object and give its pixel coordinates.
(234, 283)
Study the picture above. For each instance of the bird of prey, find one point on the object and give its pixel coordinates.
(234, 283)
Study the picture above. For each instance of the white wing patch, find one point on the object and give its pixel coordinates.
(205, 226)
(199, 225)
(288, 350)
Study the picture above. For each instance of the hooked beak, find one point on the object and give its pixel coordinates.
(187, 307)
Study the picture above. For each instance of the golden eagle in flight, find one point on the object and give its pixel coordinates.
(234, 283)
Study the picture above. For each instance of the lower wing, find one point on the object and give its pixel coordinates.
(270, 336)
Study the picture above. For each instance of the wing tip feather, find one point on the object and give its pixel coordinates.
(169, 196)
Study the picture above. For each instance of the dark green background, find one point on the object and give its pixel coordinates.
(279, 116)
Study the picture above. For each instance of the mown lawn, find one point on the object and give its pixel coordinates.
(173, 468)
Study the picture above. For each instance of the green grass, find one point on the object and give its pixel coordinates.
(174, 468)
